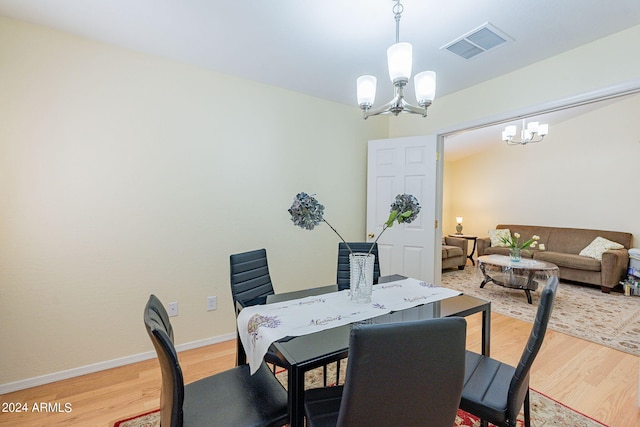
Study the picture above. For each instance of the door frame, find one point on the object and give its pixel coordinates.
(630, 87)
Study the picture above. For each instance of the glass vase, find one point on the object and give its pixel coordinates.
(515, 254)
(361, 277)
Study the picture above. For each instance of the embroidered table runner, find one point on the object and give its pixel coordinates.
(261, 325)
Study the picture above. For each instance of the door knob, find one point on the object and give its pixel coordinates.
(371, 235)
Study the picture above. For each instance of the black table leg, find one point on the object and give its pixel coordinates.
(486, 331)
(486, 279)
(528, 292)
(472, 252)
(241, 356)
(529, 285)
(296, 396)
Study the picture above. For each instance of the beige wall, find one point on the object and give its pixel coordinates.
(584, 175)
(124, 174)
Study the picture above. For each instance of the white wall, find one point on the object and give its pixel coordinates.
(123, 174)
(583, 175)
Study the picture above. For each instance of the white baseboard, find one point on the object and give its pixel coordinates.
(107, 364)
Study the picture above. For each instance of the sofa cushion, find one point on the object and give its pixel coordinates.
(599, 245)
(574, 240)
(569, 260)
(528, 231)
(496, 237)
(501, 250)
(451, 251)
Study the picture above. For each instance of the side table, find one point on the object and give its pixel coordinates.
(468, 237)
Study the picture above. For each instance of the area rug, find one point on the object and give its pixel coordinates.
(545, 412)
(612, 320)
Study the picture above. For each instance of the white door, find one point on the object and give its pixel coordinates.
(397, 166)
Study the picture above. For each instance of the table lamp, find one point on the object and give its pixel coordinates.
(459, 226)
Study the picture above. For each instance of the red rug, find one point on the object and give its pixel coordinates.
(148, 419)
(464, 419)
(152, 419)
(544, 412)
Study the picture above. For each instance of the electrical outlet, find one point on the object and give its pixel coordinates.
(172, 309)
(212, 303)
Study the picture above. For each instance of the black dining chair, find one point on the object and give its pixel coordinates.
(250, 285)
(230, 398)
(402, 374)
(495, 391)
(250, 278)
(344, 270)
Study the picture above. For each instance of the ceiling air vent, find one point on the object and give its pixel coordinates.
(477, 41)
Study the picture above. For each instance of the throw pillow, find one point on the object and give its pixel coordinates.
(497, 235)
(598, 246)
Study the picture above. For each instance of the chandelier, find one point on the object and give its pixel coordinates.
(533, 132)
(399, 61)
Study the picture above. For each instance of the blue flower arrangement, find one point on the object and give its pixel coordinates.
(306, 212)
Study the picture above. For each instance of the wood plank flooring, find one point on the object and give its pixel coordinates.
(595, 380)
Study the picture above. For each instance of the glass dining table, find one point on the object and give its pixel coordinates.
(306, 352)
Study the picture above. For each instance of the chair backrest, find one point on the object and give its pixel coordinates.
(250, 279)
(344, 270)
(405, 374)
(520, 382)
(160, 331)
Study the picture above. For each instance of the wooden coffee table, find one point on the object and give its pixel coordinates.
(524, 274)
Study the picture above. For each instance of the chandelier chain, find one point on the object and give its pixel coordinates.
(397, 10)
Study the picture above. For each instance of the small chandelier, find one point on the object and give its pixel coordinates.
(399, 61)
(533, 132)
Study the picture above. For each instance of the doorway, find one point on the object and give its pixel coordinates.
(561, 107)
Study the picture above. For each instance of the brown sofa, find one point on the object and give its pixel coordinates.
(562, 246)
(454, 252)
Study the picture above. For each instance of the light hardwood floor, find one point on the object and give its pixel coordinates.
(595, 380)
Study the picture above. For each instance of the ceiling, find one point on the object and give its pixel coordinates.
(320, 47)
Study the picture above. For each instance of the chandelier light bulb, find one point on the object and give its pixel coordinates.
(533, 127)
(425, 86)
(400, 59)
(366, 90)
(543, 130)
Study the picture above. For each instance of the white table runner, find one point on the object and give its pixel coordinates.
(261, 325)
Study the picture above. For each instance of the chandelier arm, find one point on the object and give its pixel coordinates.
(512, 141)
(537, 140)
(396, 106)
(406, 107)
(383, 109)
